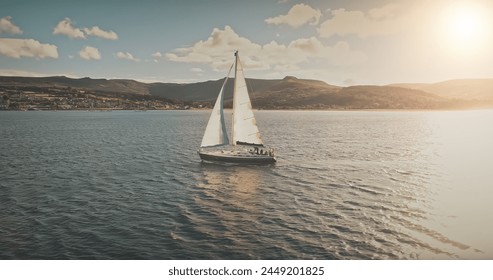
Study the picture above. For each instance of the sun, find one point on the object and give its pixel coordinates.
(465, 26)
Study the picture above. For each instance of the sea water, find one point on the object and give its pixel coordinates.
(347, 185)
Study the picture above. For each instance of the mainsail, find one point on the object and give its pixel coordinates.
(245, 130)
(215, 132)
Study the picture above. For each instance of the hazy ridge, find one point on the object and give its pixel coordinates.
(468, 89)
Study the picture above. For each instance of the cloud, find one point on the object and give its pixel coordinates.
(338, 54)
(6, 26)
(18, 48)
(15, 72)
(127, 56)
(297, 16)
(89, 53)
(197, 70)
(22, 73)
(65, 27)
(378, 21)
(98, 32)
(217, 51)
(157, 56)
(386, 11)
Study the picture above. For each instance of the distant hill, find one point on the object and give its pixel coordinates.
(287, 93)
(293, 93)
(87, 84)
(383, 97)
(302, 94)
(466, 89)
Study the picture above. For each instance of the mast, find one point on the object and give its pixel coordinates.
(233, 141)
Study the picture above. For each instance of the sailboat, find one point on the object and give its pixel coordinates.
(246, 145)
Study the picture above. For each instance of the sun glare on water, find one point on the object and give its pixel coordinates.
(465, 26)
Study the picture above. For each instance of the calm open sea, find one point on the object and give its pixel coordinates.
(347, 185)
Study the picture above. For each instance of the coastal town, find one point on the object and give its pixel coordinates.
(57, 98)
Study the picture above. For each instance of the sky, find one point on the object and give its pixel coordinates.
(341, 42)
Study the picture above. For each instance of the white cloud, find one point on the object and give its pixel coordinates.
(289, 56)
(197, 70)
(18, 48)
(98, 32)
(386, 11)
(6, 26)
(297, 16)
(89, 53)
(157, 56)
(65, 27)
(218, 49)
(127, 56)
(22, 73)
(378, 21)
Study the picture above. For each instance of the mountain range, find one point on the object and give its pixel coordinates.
(287, 93)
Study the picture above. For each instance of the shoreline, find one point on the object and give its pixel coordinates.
(270, 110)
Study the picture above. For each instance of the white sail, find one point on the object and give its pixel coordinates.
(245, 128)
(215, 133)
